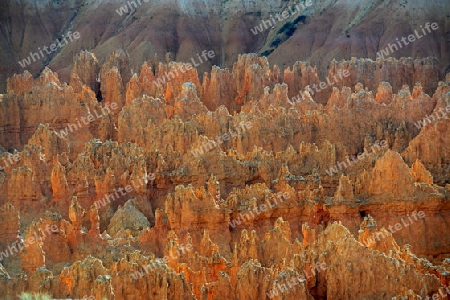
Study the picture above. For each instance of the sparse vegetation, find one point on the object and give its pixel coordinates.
(267, 52)
(300, 19)
(35, 296)
(288, 29)
(276, 42)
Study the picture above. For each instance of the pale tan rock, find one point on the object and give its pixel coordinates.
(78, 281)
(421, 174)
(10, 230)
(85, 71)
(344, 192)
(20, 83)
(128, 217)
(391, 177)
(33, 256)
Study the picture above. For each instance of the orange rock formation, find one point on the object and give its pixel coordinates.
(219, 188)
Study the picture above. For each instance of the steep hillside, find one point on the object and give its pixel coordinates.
(317, 31)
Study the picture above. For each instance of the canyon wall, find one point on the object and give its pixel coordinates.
(119, 186)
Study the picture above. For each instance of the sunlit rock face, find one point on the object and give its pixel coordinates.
(245, 183)
(191, 149)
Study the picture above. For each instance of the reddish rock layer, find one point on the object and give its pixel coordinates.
(221, 188)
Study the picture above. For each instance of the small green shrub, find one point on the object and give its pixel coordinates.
(267, 52)
(300, 19)
(276, 42)
(35, 296)
(287, 29)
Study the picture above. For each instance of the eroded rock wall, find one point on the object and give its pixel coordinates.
(224, 188)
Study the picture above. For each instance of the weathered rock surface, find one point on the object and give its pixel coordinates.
(220, 188)
(317, 31)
